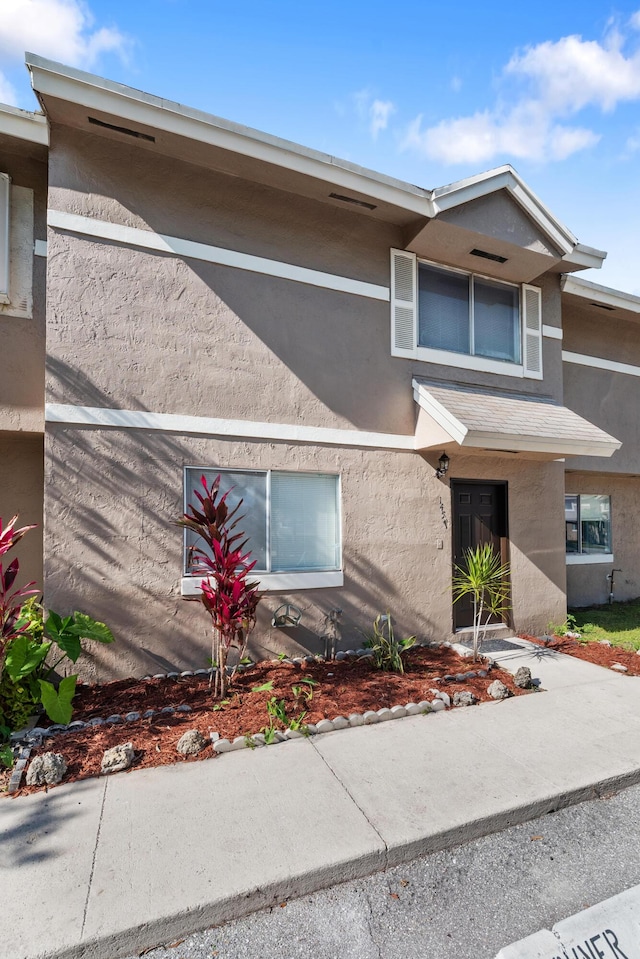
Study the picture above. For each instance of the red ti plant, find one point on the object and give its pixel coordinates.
(226, 594)
(11, 601)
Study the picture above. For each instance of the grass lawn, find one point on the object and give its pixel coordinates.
(619, 623)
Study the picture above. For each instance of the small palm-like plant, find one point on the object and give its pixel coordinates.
(484, 578)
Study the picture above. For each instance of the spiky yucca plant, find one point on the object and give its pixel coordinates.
(228, 596)
(485, 579)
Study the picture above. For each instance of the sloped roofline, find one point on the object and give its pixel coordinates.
(24, 125)
(53, 79)
(604, 295)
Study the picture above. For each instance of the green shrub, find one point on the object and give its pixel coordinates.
(387, 650)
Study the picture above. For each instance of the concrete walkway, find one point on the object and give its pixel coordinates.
(105, 868)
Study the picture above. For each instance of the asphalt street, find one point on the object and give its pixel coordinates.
(466, 902)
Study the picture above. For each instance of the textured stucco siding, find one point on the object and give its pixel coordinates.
(21, 484)
(587, 584)
(609, 399)
(227, 342)
(22, 339)
(111, 548)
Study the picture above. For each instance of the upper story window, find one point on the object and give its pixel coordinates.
(463, 319)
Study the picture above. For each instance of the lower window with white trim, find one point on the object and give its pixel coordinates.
(291, 521)
(588, 527)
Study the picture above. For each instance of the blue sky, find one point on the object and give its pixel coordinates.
(426, 92)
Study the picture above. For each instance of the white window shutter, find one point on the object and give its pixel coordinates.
(404, 305)
(532, 331)
(5, 188)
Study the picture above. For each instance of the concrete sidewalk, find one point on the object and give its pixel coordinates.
(105, 868)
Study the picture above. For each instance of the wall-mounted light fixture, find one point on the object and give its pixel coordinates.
(443, 465)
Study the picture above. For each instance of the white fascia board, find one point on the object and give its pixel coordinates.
(53, 79)
(277, 582)
(506, 178)
(457, 430)
(532, 444)
(24, 125)
(103, 418)
(585, 257)
(596, 293)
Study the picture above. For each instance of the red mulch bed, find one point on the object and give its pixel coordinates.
(593, 652)
(343, 687)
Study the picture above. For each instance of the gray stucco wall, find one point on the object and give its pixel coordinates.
(128, 328)
(230, 343)
(610, 400)
(112, 551)
(587, 584)
(21, 483)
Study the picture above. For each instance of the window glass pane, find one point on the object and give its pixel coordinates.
(571, 523)
(496, 319)
(595, 522)
(251, 488)
(304, 522)
(443, 310)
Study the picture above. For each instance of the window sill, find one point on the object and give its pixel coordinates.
(587, 559)
(277, 582)
(465, 361)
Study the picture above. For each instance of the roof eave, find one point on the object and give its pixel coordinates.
(53, 79)
(24, 125)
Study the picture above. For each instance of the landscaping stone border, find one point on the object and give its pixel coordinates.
(31, 738)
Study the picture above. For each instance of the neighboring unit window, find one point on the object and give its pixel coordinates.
(292, 520)
(588, 523)
(466, 314)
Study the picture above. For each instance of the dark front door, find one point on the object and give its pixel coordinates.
(479, 516)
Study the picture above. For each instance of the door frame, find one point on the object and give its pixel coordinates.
(507, 618)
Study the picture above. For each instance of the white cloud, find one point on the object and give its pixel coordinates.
(456, 84)
(61, 29)
(558, 79)
(634, 20)
(373, 112)
(379, 113)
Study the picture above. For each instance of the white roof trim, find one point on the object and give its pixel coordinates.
(505, 440)
(95, 93)
(24, 125)
(506, 178)
(601, 294)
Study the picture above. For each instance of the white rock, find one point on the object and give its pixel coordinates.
(384, 715)
(191, 743)
(324, 726)
(619, 668)
(437, 706)
(412, 709)
(46, 770)
(445, 697)
(222, 746)
(356, 719)
(339, 722)
(398, 712)
(370, 717)
(498, 690)
(117, 758)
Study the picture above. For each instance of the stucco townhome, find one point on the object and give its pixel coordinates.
(219, 301)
